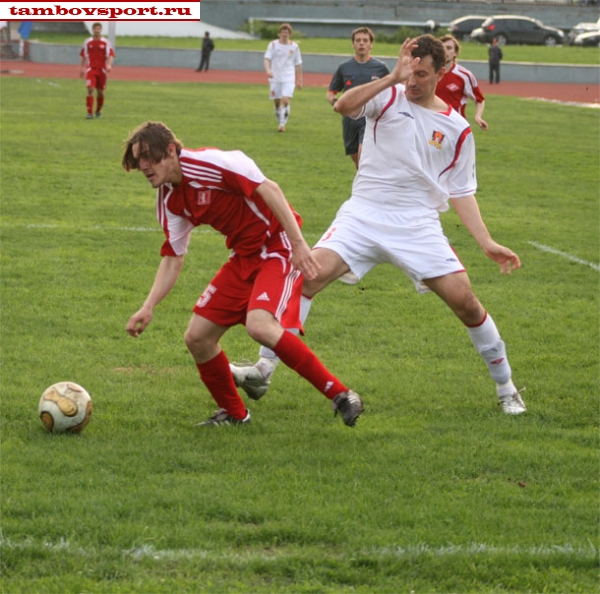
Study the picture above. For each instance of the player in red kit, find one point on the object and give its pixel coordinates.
(260, 284)
(97, 56)
(458, 84)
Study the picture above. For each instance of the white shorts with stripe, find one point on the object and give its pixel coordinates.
(365, 234)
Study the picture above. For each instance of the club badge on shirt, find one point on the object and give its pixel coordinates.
(436, 139)
(203, 197)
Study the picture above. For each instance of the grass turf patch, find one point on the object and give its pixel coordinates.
(434, 490)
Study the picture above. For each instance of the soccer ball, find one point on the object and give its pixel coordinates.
(65, 407)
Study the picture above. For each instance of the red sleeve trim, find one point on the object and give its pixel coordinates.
(459, 144)
(385, 108)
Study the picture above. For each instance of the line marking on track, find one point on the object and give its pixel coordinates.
(551, 250)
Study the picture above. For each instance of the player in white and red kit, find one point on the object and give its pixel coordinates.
(97, 57)
(418, 156)
(283, 65)
(458, 84)
(259, 286)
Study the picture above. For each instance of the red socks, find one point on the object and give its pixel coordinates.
(296, 355)
(217, 377)
(89, 103)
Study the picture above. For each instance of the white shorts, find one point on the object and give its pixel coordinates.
(365, 234)
(281, 89)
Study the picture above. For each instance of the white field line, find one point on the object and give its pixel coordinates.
(550, 250)
(91, 228)
(207, 230)
(568, 103)
(204, 229)
(149, 552)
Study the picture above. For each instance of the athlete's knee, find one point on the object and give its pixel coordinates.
(198, 344)
(311, 287)
(470, 310)
(262, 327)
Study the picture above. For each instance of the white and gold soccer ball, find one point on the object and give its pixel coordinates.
(65, 407)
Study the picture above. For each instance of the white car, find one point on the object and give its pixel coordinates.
(591, 38)
(580, 28)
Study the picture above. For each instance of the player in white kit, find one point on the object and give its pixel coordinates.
(418, 156)
(283, 65)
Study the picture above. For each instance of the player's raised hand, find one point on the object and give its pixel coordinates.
(406, 62)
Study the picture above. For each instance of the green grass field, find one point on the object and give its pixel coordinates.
(435, 490)
(470, 51)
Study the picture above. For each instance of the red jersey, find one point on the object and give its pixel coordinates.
(457, 86)
(96, 52)
(217, 189)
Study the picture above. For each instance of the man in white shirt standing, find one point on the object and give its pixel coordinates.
(418, 157)
(283, 65)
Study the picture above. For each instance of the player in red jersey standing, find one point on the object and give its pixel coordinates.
(259, 286)
(97, 57)
(458, 84)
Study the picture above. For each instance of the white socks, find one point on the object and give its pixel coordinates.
(490, 346)
(268, 359)
(485, 338)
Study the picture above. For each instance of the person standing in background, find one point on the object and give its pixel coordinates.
(356, 71)
(207, 48)
(97, 57)
(283, 65)
(495, 55)
(458, 84)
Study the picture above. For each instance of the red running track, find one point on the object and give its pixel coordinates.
(576, 93)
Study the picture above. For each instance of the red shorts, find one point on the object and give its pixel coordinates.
(262, 281)
(95, 79)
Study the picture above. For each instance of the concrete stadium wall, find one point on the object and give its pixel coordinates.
(314, 63)
(233, 14)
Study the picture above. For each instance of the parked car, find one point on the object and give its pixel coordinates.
(461, 28)
(582, 28)
(517, 29)
(590, 38)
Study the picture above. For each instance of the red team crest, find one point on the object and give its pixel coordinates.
(436, 139)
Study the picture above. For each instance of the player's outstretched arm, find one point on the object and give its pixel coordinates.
(302, 256)
(468, 212)
(166, 277)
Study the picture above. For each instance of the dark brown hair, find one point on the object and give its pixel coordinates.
(155, 138)
(428, 45)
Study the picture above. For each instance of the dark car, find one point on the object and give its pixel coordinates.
(461, 28)
(517, 29)
(590, 38)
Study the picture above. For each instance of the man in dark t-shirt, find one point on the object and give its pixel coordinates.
(358, 70)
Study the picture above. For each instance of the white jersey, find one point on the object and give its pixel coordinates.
(435, 162)
(284, 58)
